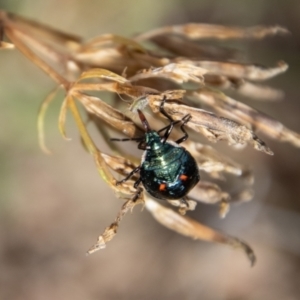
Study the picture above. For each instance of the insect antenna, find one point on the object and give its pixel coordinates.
(144, 121)
(138, 139)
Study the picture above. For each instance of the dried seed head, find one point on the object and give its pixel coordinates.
(124, 67)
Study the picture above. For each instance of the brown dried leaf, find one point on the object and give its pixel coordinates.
(17, 38)
(215, 163)
(259, 92)
(184, 206)
(6, 45)
(62, 119)
(101, 73)
(117, 57)
(213, 127)
(148, 97)
(208, 192)
(119, 164)
(179, 72)
(188, 227)
(40, 120)
(110, 231)
(108, 114)
(243, 87)
(116, 60)
(246, 71)
(110, 40)
(182, 46)
(211, 193)
(205, 31)
(103, 58)
(243, 196)
(102, 167)
(247, 115)
(39, 30)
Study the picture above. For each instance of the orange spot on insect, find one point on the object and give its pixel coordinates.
(183, 177)
(162, 187)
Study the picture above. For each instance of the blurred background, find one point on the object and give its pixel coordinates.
(52, 208)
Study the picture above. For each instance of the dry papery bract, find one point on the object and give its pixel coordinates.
(141, 78)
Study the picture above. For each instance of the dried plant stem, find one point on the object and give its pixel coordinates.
(100, 162)
(36, 60)
(125, 67)
(40, 120)
(111, 230)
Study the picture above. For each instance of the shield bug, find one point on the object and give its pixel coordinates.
(167, 170)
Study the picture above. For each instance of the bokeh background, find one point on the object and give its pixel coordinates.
(52, 208)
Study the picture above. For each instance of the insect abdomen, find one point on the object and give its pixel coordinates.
(169, 176)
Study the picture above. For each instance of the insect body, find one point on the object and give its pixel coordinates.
(167, 170)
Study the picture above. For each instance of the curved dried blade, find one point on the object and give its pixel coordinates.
(62, 118)
(247, 115)
(41, 118)
(204, 31)
(103, 40)
(247, 71)
(213, 127)
(189, 227)
(101, 73)
(110, 231)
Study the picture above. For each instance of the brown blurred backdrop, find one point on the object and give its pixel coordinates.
(52, 208)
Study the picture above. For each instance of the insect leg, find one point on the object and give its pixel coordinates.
(127, 139)
(137, 194)
(168, 128)
(137, 183)
(162, 110)
(129, 175)
(184, 201)
(184, 120)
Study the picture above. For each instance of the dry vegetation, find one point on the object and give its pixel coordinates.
(140, 71)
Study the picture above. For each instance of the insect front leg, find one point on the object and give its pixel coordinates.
(170, 127)
(184, 120)
(137, 194)
(137, 169)
(127, 139)
(162, 110)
